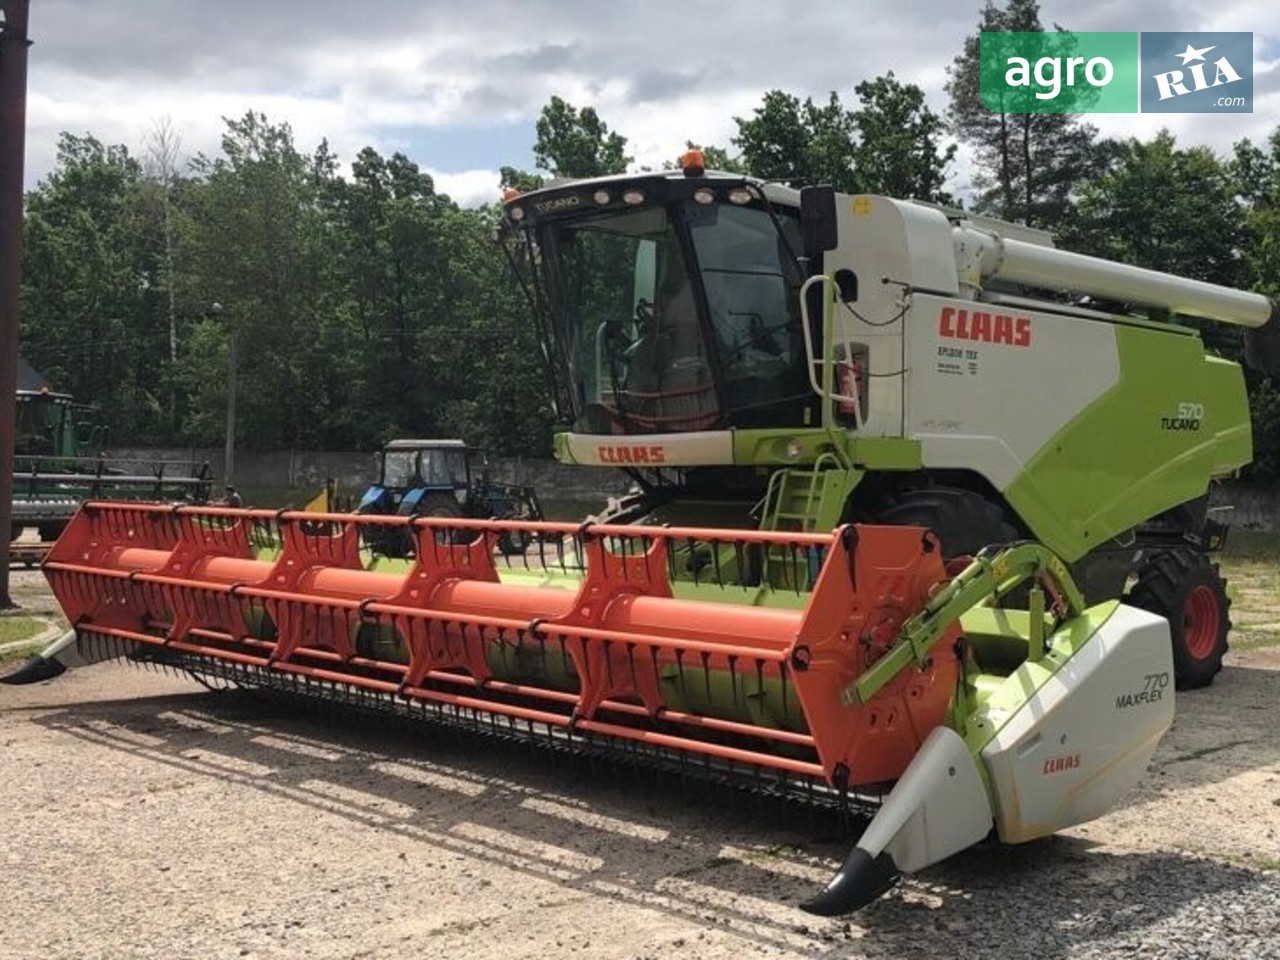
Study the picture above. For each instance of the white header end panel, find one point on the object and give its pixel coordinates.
(1086, 737)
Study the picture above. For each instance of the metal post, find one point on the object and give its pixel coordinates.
(233, 365)
(13, 125)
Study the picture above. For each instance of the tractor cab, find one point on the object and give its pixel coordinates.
(442, 478)
(415, 474)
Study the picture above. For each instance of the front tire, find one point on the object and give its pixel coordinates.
(1187, 590)
(964, 521)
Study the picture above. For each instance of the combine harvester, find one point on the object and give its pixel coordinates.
(861, 369)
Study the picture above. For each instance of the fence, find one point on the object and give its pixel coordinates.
(309, 469)
(1251, 507)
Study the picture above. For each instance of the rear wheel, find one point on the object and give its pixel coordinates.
(1186, 589)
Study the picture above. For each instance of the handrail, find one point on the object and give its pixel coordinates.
(826, 390)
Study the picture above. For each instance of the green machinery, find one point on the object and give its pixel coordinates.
(760, 356)
(58, 464)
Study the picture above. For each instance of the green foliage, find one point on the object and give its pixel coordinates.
(577, 143)
(891, 144)
(365, 308)
(1165, 208)
(788, 139)
(1029, 165)
(91, 307)
(1256, 180)
(899, 151)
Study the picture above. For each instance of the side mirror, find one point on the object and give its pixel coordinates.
(818, 220)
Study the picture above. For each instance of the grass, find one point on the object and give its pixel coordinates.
(20, 628)
(19, 654)
(1251, 564)
(1252, 546)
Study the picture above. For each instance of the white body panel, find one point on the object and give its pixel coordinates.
(1087, 736)
(988, 385)
(892, 247)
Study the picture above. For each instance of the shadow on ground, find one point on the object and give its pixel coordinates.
(685, 851)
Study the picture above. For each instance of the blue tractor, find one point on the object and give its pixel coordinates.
(436, 478)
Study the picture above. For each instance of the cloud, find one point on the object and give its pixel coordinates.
(418, 76)
(470, 188)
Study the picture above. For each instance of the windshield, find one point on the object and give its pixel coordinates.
(399, 468)
(750, 298)
(38, 423)
(674, 318)
(444, 468)
(629, 322)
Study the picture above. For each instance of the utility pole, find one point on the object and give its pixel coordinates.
(233, 364)
(13, 127)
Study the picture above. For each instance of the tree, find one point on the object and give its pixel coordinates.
(1256, 174)
(92, 308)
(1165, 208)
(890, 145)
(801, 142)
(252, 245)
(577, 143)
(899, 151)
(1029, 165)
(161, 147)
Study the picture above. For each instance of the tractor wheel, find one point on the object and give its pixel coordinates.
(439, 505)
(963, 521)
(1186, 589)
(513, 543)
(446, 508)
(51, 531)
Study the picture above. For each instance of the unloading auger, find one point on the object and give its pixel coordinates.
(654, 642)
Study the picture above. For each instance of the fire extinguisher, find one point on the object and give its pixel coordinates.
(849, 376)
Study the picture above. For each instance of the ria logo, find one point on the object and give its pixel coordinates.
(1197, 73)
(1172, 83)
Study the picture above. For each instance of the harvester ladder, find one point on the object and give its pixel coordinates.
(808, 499)
(802, 500)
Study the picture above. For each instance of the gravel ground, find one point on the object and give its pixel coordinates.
(148, 817)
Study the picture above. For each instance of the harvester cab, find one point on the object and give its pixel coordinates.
(796, 359)
(58, 463)
(442, 478)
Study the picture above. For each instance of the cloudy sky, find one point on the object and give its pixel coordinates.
(458, 85)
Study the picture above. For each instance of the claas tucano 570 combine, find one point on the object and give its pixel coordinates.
(877, 445)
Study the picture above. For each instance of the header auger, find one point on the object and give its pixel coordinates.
(884, 669)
